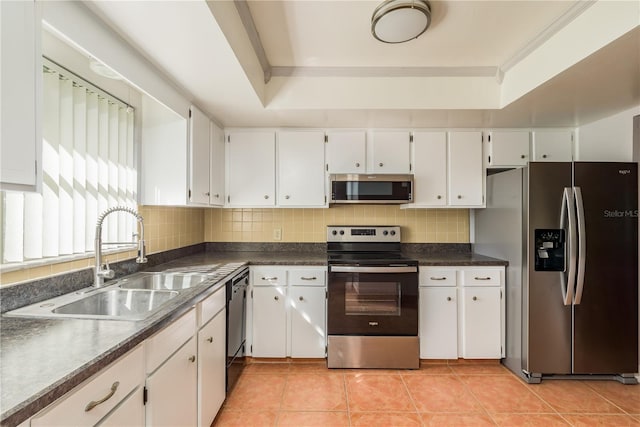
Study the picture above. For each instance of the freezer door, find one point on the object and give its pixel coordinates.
(546, 318)
(606, 309)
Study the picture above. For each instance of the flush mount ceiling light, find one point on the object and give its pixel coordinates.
(397, 21)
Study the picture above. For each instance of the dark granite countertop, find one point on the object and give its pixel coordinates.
(42, 359)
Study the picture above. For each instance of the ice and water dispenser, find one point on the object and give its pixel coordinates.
(549, 249)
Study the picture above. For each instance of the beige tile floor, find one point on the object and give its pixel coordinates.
(439, 394)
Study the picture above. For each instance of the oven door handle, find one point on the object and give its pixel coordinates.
(360, 269)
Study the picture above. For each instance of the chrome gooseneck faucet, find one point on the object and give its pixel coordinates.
(104, 271)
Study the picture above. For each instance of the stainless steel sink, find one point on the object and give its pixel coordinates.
(162, 281)
(117, 303)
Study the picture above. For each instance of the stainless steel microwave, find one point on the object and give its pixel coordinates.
(374, 188)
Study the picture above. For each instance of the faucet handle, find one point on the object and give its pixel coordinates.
(105, 271)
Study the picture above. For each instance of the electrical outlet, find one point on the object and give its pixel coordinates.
(277, 234)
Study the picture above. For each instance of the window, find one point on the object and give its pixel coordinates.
(88, 166)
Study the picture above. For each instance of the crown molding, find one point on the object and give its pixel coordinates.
(384, 71)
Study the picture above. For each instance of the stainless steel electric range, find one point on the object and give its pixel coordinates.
(372, 317)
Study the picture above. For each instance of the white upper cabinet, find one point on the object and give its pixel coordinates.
(466, 171)
(20, 86)
(164, 159)
(251, 168)
(390, 152)
(301, 175)
(346, 151)
(430, 168)
(199, 145)
(552, 146)
(507, 148)
(217, 166)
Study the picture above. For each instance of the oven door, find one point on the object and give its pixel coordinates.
(377, 300)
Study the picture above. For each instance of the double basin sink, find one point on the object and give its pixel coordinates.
(134, 297)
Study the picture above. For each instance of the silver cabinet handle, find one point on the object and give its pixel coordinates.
(437, 278)
(207, 194)
(475, 298)
(544, 156)
(217, 196)
(459, 196)
(357, 164)
(266, 197)
(95, 403)
(381, 164)
(309, 278)
(269, 278)
(522, 156)
(448, 298)
(439, 197)
(276, 298)
(301, 298)
(482, 278)
(287, 197)
(192, 359)
(210, 339)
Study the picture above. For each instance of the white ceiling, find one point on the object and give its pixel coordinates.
(328, 71)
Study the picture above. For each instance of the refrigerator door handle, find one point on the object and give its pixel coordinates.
(567, 215)
(582, 248)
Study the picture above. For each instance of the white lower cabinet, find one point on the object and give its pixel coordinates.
(269, 321)
(288, 311)
(212, 360)
(172, 390)
(102, 397)
(461, 312)
(480, 326)
(438, 323)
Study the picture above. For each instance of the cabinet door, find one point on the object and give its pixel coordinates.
(465, 173)
(481, 324)
(390, 152)
(269, 321)
(438, 323)
(19, 84)
(301, 176)
(199, 143)
(552, 146)
(308, 320)
(211, 369)
(217, 167)
(130, 412)
(430, 168)
(172, 390)
(508, 148)
(346, 152)
(251, 168)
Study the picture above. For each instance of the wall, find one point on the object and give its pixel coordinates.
(165, 228)
(309, 225)
(608, 139)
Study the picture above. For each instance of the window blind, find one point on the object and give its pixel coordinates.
(88, 166)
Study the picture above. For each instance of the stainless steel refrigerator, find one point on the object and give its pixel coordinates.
(570, 234)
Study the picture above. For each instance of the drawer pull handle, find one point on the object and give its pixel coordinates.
(482, 278)
(192, 359)
(475, 298)
(448, 298)
(210, 339)
(95, 403)
(276, 298)
(438, 278)
(269, 278)
(301, 298)
(309, 278)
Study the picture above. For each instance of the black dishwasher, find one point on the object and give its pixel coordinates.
(236, 330)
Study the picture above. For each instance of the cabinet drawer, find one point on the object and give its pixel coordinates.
(481, 277)
(162, 345)
(210, 306)
(111, 385)
(436, 277)
(307, 277)
(268, 276)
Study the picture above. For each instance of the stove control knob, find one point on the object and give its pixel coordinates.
(393, 233)
(385, 232)
(341, 232)
(334, 232)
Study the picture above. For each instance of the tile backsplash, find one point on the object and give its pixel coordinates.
(309, 225)
(165, 228)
